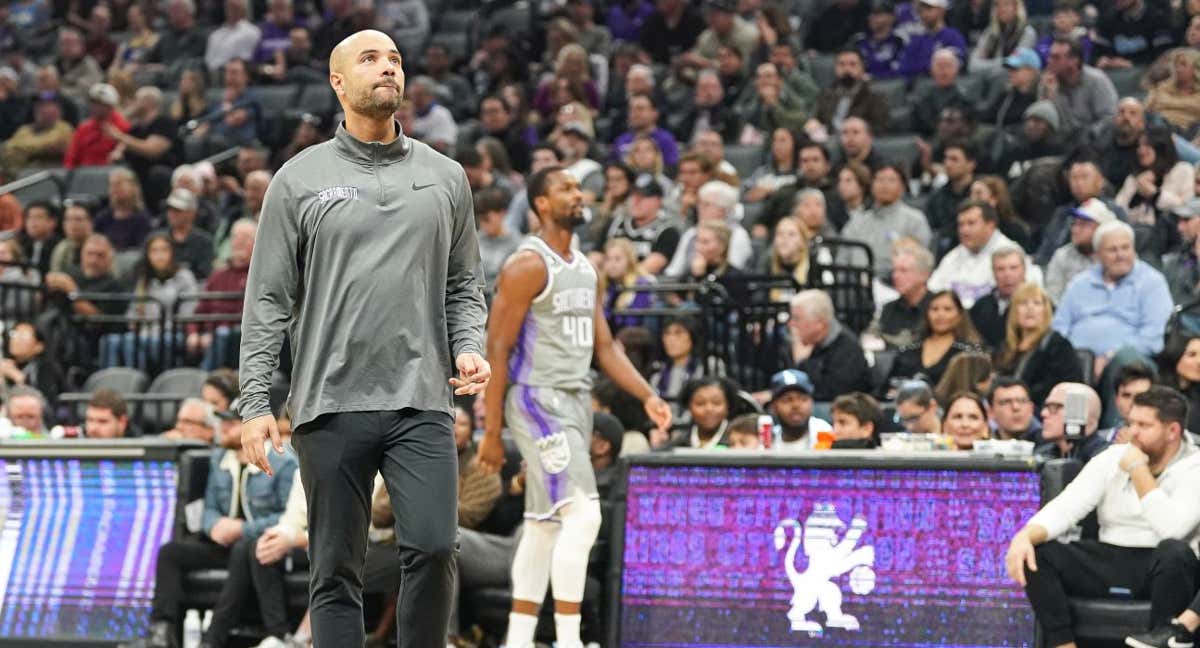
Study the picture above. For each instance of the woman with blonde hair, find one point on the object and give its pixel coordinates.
(788, 256)
(1176, 99)
(1032, 351)
(126, 87)
(572, 67)
(645, 156)
(620, 275)
(125, 221)
(191, 102)
(1008, 30)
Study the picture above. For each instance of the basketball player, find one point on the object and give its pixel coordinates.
(546, 325)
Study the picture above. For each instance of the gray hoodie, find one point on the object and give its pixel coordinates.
(366, 255)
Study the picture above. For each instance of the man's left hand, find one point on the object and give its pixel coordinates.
(1132, 458)
(473, 374)
(659, 411)
(272, 547)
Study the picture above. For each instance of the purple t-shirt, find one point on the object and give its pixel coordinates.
(124, 233)
(274, 38)
(664, 139)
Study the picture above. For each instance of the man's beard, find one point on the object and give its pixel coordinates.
(571, 220)
(375, 107)
(794, 432)
(1126, 134)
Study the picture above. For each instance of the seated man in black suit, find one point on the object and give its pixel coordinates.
(990, 312)
(824, 349)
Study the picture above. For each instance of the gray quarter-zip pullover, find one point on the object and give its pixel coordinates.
(366, 253)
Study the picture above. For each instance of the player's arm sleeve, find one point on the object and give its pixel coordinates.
(271, 292)
(466, 311)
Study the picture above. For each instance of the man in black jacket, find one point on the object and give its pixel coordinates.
(990, 312)
(822, 348)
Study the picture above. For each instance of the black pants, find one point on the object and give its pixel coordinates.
(1166, 575)
(249, 578)
(339, 456)
(175, 559)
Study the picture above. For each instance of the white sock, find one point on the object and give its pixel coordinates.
(566, 630)
(521, 628)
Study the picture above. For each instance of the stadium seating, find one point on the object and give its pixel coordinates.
(124, 380)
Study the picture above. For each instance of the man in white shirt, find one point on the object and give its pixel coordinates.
(1144, 493)
(792, 405)
(236, 38)
(967, 269)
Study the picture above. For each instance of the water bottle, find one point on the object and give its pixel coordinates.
(766, 430)
(191, 629)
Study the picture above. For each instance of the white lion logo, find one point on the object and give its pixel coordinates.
(827, 559)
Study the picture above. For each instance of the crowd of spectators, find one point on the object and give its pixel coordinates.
(1015, 179)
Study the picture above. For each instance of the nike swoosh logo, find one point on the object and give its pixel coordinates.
(1171, 643)
(417, 187)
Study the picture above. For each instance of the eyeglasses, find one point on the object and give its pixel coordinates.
(1016, 401)
(1052, 408)
(906, 420)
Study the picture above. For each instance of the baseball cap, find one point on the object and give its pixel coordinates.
(942, 4)
(1189, 209)
(610, 429)
(647, 186)
(789, 380)
(1095, 210)
(105, 94)
(883, 6)
(182, 199)
(578, 128)
(1023, 58)
(1045, 111)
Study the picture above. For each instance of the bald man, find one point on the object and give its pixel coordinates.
(366, 256)
(1053, 443)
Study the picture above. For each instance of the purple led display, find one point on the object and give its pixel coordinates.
(79, 545)
(787, 556)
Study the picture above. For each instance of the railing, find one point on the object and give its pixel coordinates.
(28, 189)
(22, 293)
(742, 320)
(208, 339)
(130, 338)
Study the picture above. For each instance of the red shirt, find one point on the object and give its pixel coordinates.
(90, 146)
(228, 279)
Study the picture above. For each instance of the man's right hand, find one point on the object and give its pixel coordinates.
(490, 455)
(255, 433)
(1020, 554)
